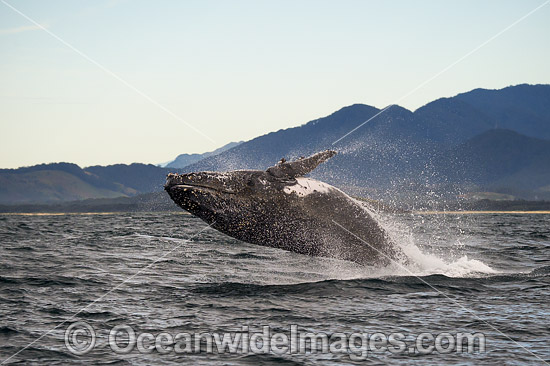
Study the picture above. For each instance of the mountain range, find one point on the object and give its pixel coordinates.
(483, 140)
(58, 182)
(492, 141)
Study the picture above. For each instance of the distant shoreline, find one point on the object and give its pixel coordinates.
(86, 213)
(480, 212)
(182, 212)
(161, 202)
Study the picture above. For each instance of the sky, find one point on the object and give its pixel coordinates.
(142, 81)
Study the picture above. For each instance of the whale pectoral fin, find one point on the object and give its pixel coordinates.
(301, 166)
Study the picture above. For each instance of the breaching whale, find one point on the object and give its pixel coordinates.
(281, 208)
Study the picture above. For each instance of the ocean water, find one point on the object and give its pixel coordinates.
(168, 273)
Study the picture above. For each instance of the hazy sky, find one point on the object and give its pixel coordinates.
(237, 69)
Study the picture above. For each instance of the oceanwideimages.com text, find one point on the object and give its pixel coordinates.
(81, 338)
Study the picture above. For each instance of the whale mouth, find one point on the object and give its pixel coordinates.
(199, 187)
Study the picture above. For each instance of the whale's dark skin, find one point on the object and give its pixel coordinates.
(280, 208)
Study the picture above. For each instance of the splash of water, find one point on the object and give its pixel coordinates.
(422, 263)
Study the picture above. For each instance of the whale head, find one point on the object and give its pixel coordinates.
(232, 201)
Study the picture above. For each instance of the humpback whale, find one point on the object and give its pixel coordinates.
(281, 208)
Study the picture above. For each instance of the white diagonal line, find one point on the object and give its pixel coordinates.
(447, 68)
(361, 125)
(106, 70)
(439, 291)
(107, 293)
